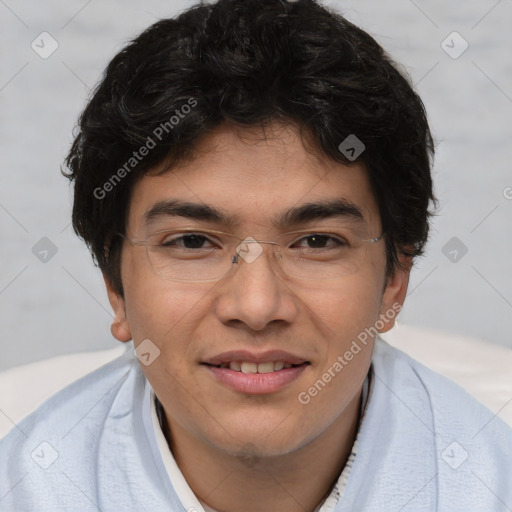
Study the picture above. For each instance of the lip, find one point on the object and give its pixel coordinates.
(252, 357)
(256, 383)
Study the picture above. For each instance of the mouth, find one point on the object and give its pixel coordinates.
(256, 374)
(250, 367)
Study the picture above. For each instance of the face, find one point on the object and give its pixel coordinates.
(207, 332)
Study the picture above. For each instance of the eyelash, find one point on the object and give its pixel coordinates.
(173, 242)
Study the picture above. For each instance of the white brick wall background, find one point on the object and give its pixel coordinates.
(59, 306)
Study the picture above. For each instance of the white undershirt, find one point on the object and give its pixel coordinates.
(189, 499)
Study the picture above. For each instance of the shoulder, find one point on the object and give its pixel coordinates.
(69, 424)
(471, 442)
(446, 398)
(97, 388)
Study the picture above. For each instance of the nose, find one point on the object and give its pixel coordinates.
(254, 293)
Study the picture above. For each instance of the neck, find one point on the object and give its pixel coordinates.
(296, 482)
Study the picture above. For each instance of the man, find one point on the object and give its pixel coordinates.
(253, 180)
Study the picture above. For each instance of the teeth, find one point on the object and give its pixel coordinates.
(235, 365)
(249, 368)
(267, 367)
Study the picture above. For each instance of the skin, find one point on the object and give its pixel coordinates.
(240, 451)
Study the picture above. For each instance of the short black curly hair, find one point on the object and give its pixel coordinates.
(250, 62)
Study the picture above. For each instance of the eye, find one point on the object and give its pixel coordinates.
(188, 241)
(319, 241)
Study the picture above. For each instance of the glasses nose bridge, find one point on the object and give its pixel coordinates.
(250, 249)
(268, 242)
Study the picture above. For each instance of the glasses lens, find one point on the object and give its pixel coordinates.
(181, 255)
(184, 256)
(321, 255)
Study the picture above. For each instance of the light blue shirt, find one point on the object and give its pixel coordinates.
(424, 444)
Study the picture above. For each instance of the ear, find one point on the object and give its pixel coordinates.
(394, 294)
(120, 328)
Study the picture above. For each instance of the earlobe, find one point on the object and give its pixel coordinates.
(120, 331)
(120, 328)
(394, 295)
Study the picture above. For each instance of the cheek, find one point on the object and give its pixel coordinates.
(343, 309)
(165, 312)
(168, 314)
(344, 312)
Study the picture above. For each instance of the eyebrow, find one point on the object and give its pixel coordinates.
(338, 208)
(196, 211)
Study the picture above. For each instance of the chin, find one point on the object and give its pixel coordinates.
(251, 450)
(253, 440)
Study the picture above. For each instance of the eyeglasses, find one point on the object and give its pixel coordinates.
(192, 255)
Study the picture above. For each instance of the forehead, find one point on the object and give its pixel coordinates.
(254, 176)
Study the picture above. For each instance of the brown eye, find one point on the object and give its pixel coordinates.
(192, 241)
(319, 241)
